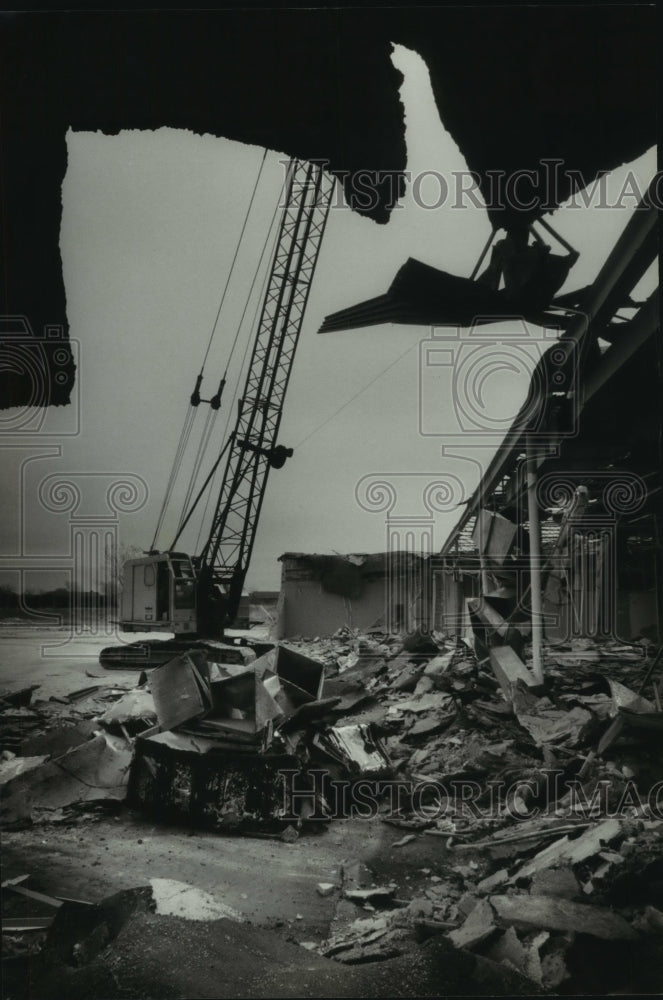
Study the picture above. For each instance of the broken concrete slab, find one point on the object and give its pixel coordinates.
(559, 881)
(509, 670)
(179, 899)
(509, 948)
(491, 882)
(521, 955)
(479, 926)
(623, 697)
(433, 702)
(424, 728)
(408, 677)
(571, 851)
(553, 913)
(467, 902)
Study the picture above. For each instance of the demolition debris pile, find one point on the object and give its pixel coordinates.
(544, 801)
(547, 802)
(207, 736)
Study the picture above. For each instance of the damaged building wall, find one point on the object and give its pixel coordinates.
(453, 586)
(322, 593)
(569, 508)
(600, 581)
(596, 580)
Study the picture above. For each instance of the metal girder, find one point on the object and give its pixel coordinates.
(632, 335)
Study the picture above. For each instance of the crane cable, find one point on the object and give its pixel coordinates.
(189, 418)
(270, 235)
(210, 420)
(248, 344)
(232, 267)
(190, 413)
(212, 414)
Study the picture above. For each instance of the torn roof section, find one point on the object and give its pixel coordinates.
(368, 562)
(514, 86)
(544, 97)
(346, 575)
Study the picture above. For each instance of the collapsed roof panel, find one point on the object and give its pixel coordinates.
(514, 86)
(423, 295)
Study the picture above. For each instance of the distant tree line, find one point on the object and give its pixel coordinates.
(110, 587)
(59, 597)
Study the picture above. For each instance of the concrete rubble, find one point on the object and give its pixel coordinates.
(547, 839)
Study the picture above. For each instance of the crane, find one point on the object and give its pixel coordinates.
(197, 597)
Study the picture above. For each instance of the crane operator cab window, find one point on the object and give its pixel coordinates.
(184, 585)
(163, 592)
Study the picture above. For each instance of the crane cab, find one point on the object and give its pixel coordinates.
(159, 594)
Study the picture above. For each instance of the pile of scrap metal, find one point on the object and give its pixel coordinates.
(237, 736)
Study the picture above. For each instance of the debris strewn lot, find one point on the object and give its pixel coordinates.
(518, 827)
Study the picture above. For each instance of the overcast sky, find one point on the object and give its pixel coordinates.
(150, 224)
